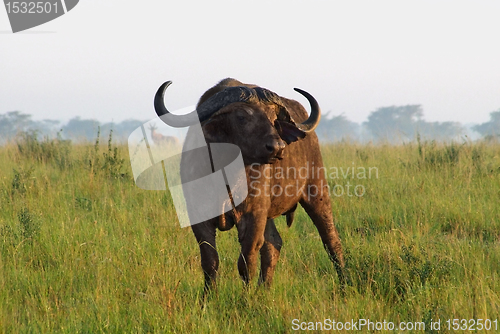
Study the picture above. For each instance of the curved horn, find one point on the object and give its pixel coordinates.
(312, 122)
(223, 98)
(176, 121)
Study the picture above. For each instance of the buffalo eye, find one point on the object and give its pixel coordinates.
(241, 119)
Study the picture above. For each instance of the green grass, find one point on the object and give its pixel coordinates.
(83, 250)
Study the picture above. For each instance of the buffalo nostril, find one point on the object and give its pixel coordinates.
(271, 147)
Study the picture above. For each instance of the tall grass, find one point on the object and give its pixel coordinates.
(82, 249)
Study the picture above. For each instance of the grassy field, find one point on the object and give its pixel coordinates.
(83, 250)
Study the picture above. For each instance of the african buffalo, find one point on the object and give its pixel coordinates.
(275, 135)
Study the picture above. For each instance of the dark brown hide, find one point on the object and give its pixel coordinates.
(269, 140)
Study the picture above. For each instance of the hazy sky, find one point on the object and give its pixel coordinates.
(105, 59)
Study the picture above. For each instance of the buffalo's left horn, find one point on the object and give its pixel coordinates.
(312, 122)
(176, 121)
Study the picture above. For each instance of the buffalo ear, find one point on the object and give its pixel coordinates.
(288, 131)
(214, 129)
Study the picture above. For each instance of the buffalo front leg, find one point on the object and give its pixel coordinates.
(269, 253)
(205, 235)
(251, 237)
(319, 209)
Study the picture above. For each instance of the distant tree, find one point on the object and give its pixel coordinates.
(106, 129)
(394, 123)
(440, 131)
(81, 129)
(121, 131)
(78, 129)
(126, 127)
(399, 123)
(15, 122)
(490, 128)
(46, 127)
(337, 128)
(12, 123)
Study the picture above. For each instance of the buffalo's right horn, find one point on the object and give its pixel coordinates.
(176, 121)
(312, 122)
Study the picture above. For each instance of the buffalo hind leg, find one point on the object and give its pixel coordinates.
(319, 209)
(269, 253)
(205, 235)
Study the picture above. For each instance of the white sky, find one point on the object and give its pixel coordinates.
(105, 59)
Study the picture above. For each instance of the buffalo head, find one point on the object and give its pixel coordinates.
(255, 119)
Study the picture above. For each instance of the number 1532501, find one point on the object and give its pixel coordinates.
(38, 7)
